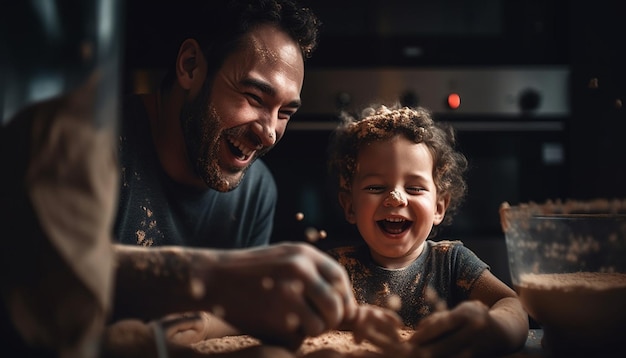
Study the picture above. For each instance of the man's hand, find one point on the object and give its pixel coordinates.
(281, 293)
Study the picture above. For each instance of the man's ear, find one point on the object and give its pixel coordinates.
(190, 65)
(440, 208)
(345, 200)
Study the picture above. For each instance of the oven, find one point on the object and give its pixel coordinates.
(511, 124)
(404, 33)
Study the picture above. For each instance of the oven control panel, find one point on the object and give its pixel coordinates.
(534, 91)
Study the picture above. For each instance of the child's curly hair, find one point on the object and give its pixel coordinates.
(379, 122)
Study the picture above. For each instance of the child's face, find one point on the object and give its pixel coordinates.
(393, 200)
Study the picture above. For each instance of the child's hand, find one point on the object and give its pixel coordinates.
(463, 331)
(189, 328)
(380, 326)
(186, 328)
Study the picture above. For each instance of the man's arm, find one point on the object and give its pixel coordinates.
(154, 282)
(280, 294)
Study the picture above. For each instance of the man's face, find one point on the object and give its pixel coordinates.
(244, 111)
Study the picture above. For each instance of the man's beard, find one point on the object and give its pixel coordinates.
(201, 130)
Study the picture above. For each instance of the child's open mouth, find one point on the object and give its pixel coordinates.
(394, 225)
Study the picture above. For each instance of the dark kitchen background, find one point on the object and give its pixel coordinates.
(541, 86)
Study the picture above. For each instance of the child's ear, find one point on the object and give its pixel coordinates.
(190, 65)
(440, 208)
(345, 200)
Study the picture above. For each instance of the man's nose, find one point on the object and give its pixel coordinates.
(395, 198)
(265, 129)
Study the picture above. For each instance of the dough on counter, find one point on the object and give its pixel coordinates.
(338, 341)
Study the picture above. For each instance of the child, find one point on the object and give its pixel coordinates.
(399, 178)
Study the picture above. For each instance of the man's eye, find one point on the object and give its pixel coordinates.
(285, 114)
(255, 98)
(374, 188)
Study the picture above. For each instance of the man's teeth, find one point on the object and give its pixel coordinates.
(244, 150)
(395, 220)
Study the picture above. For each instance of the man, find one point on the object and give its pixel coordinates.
(188, 152)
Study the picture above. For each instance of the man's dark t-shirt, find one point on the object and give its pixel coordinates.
(155, 210)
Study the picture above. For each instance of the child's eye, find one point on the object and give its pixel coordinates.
(414, 189)
(374, 188)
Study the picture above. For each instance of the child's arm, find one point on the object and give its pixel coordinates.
(492, 321)
(510, 319)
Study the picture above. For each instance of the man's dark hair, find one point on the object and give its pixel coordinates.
(219, 25)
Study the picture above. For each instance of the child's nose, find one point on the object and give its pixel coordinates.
(395, 198)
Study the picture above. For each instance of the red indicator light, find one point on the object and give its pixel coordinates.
(454, 100)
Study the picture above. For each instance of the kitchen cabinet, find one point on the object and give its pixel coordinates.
(598, 125)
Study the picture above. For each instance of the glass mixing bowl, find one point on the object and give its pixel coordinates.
(568, 265)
